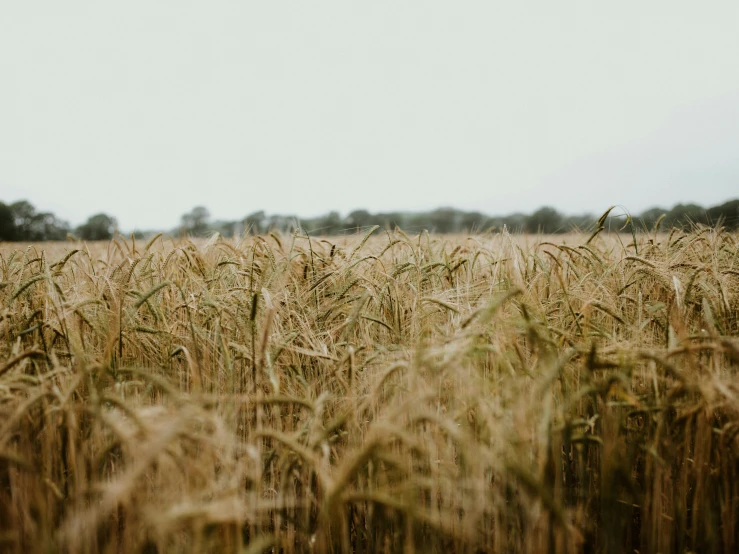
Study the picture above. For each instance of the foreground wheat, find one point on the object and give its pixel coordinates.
(396, 394)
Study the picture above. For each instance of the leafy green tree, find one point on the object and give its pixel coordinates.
(685, 215)
(515, 223)
(359, 219)
(195, 223)
(650, 217)
(443, 220)
(46, 226)
(23, 215)
(256, 223)
(329, 224)
(472, 222)
(544, 220)
(577, 223)
(98, 227)
(7, 223)
(226, 228)
(390, 220)
(726, 214)
(32, 226)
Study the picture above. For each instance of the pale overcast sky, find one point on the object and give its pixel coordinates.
(144, 109)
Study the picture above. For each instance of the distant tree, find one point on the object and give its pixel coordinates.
(391, 220)
(727, 214)
(226, 228)
(329, 224)
(7, 223)
(33, 226)
(577, 222)
(515, 223)
(472, 222)
(443, 220)
(256, 223)
(282, 223)
(544, 220)
(46, 226)
(195, 223)
(650, 217)
(98, 227)
(23, 216)
(359, 219)
(685, 215)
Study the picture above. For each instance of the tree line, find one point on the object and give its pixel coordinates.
(20, 221)
(449, 220)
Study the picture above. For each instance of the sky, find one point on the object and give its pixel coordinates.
(144, 109)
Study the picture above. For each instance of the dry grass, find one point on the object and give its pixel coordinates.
(400, 394)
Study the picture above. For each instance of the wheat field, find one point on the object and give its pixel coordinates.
(375, 393)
